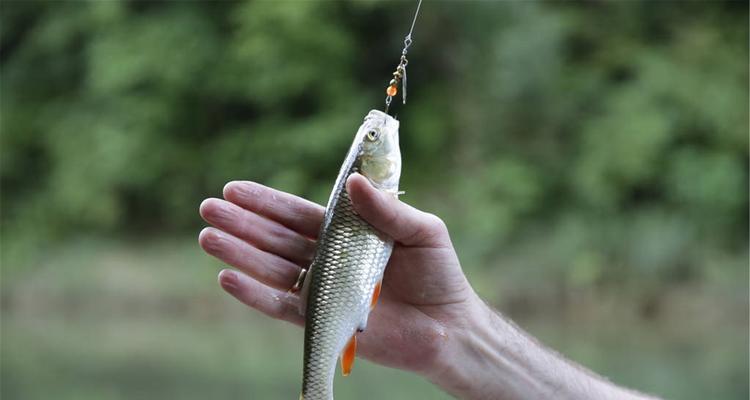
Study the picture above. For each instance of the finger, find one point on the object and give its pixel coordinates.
(265, 267)
(404, 223)
(274, 303)
(289, 210)
(261, 232)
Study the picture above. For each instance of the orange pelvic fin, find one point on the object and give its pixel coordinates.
(347, 357)
(376, 294)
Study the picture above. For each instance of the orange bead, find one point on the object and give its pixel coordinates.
(391, 91)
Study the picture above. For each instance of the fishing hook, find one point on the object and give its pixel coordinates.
(399, 75)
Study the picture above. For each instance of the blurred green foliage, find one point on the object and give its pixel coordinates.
(572, 147)
(617, 119)
(120, 117)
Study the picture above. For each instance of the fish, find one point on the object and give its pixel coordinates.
(343, 282)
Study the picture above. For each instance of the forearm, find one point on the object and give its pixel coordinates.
(491, 358)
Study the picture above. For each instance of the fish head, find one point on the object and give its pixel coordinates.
(379, 158)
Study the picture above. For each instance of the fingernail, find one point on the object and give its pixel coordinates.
(223, 214)
(245, 190)
(367, 181)
(202, 206)
(361, 177)
(214, 240)
(229, 186)
(228, 279)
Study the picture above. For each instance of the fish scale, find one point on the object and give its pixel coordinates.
(349, 261)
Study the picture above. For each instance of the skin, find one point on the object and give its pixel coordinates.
(428, 320)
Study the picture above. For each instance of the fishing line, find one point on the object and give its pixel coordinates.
(399, 75)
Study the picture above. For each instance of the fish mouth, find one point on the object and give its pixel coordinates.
(383, 120)
(377, 114)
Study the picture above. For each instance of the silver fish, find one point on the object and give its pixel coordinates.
(343, 281)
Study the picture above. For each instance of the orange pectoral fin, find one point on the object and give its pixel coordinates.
(375, 295)
(347, 357)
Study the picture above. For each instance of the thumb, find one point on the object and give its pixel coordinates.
(402, 222)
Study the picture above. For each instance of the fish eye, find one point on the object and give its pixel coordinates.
(373, 135)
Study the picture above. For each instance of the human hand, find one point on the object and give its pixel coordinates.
(269, 235)
(428, 319)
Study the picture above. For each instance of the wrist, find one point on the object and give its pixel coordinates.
(489, 357)
(468, 363)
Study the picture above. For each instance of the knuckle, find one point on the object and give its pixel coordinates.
(288, 309)
(391, 219)
(436, 224)
(427, 229)
(264, 274)
(433, 230)
(252, 302)
(275, 235)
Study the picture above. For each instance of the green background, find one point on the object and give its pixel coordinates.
(589, 158)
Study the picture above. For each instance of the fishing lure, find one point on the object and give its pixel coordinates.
(342, 285)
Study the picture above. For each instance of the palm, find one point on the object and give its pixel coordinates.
(269, 236)
(420, 297)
